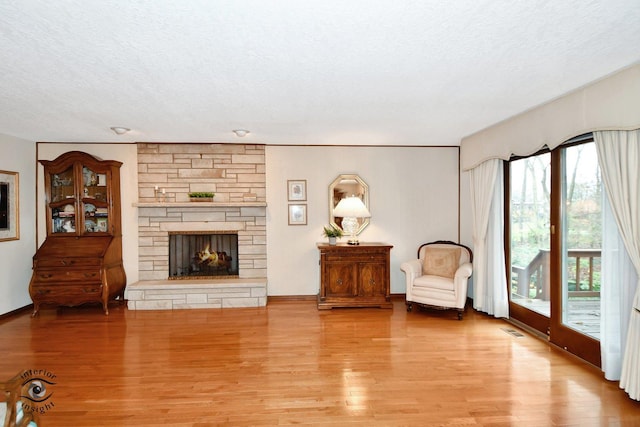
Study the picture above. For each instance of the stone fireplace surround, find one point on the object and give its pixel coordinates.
(236, 174)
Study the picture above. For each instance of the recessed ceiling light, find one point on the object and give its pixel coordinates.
(120, 130)
(241, 132)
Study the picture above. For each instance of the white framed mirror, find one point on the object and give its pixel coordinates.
(348, 185)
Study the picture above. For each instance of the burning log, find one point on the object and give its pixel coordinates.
(214, 259)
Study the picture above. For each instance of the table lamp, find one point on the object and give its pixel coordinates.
(350, 209)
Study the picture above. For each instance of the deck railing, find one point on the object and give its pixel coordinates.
(536, 276)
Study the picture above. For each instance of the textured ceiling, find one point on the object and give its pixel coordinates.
(298, 72)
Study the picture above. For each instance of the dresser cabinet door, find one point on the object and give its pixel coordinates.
(341, 279)
(372, 280)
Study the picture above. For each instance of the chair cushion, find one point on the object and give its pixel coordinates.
(441, 262)
(431, 283)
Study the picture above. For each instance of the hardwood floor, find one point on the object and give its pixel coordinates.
(289, 363)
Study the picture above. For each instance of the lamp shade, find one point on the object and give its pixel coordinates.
(351, 207)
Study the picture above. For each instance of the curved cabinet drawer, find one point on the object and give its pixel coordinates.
(51, 276)
(66, 295)
(69, 262)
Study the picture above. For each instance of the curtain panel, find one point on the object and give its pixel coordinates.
(487, 211)
(619, 159)
(618, 278)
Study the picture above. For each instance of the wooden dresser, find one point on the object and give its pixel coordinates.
(81, 259)
(354, 275)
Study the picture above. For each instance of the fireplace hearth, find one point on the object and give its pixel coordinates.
(199, 255)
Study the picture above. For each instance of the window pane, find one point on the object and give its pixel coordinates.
(581, 239)
(530, 239)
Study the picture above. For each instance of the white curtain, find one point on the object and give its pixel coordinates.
(487, 211)
(618, 278)
(619, 159)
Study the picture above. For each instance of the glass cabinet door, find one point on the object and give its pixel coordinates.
(94, 201)
(63, 202)
(64, 217)
(62, 186)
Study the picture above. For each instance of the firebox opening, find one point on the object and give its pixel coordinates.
(197, 255)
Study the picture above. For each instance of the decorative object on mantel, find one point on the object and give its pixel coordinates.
(201, 196)
(159, 194)
(332, 232)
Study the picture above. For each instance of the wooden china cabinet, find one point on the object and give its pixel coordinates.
(81, 259)
(354, 275)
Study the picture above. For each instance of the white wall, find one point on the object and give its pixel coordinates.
(18, 155)
(413, 200)
(128, 155)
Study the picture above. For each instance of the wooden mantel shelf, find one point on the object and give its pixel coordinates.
(199, 204)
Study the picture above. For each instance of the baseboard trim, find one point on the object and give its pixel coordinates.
(286, 298)
(290, 298)
(14, 313)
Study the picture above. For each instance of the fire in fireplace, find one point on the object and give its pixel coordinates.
(196, 255)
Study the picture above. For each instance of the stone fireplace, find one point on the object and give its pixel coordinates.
(166, 174)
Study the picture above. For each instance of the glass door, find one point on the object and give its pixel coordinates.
(530, 240)
(554, 239)
(577, 243)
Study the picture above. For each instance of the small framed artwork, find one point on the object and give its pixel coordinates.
(9, 209)
(297, 189)
(298, 214)
(101, 224)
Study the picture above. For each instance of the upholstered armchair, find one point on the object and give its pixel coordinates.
(438, 278)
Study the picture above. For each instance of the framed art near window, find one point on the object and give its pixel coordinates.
(297, 214)
(297, 189)
(9, 209)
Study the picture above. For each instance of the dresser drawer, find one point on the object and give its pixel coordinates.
(355, 257)
(67, 262)
(61, 275)
(62, 292)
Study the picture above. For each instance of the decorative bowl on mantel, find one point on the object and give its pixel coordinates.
(201, 196)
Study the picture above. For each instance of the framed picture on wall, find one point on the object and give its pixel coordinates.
(298, 214)
(9, 209)
(297, 189)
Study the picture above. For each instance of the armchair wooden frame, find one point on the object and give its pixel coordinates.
(10, 393)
